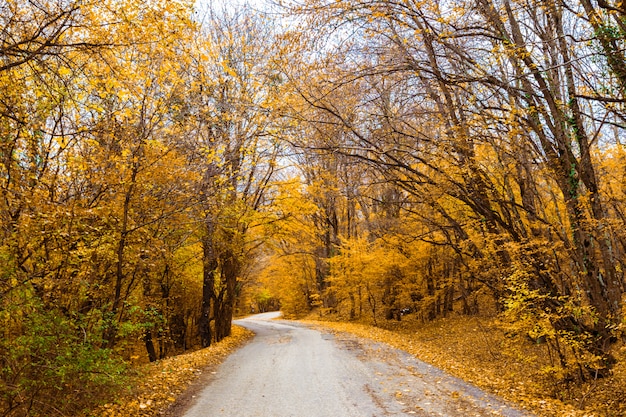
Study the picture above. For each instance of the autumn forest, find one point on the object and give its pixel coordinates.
(166, 166)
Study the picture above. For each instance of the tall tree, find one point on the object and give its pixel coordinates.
(237, 153)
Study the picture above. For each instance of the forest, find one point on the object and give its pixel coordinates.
(167, 166)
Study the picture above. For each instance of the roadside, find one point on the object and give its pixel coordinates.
(478, 351)
(160, 388)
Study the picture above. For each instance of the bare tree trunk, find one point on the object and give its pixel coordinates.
(209, 266)
(229, 274)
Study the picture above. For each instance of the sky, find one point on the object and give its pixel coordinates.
(257, 4)
(260, 5)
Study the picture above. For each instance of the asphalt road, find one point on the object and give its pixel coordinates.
(290, 370)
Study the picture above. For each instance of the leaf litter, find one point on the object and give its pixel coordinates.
(157, 386)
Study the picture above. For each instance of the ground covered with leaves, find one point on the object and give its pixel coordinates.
(479, 351)
(155, 387)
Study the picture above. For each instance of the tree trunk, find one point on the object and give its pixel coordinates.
(147, 338)
(209, 266)
(229, 274)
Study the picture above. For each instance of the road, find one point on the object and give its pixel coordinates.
(290, 370)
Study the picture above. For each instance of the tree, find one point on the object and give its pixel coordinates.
(236, 153)
(88, 123)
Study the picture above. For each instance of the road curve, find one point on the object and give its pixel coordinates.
(290, 370)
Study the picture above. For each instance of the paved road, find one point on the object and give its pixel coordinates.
(289, 370)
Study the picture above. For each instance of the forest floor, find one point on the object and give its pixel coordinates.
(478, 350)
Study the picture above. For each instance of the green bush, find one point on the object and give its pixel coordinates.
(48, 367)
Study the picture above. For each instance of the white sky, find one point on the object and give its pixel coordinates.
(256, 4)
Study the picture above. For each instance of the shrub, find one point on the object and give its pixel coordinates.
(48, 367)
